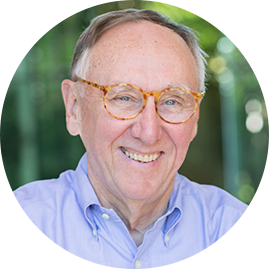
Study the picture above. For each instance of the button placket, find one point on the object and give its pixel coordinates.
(137, 264)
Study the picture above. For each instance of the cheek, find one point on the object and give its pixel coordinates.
(89, 123)
(182, 137)
(99, 129)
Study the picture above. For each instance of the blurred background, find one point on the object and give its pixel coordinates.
(229, 151)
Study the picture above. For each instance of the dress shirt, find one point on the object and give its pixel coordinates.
(68, 211)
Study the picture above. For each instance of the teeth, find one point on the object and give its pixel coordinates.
(140, 158)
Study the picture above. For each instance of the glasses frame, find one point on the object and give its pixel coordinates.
(157, 95)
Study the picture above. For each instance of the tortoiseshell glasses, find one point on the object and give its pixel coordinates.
(126, 101)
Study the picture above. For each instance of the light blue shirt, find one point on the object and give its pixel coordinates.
(67, 210)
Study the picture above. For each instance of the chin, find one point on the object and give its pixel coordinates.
(139, 189)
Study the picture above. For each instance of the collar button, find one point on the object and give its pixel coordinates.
(105, 216)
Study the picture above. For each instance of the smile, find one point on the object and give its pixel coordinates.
(140, 158)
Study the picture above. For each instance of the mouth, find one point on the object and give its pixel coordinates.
(140, 158)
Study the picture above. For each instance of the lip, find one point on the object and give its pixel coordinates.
(140, 152)
(152, 163)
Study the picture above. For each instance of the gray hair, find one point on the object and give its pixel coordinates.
(105, 22)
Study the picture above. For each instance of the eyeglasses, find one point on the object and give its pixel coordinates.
(126, 101)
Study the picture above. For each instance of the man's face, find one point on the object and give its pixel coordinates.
(153, 58)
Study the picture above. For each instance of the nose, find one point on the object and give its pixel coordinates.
(147, 126)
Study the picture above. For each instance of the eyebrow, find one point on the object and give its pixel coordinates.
(178, 86)
(181, 85)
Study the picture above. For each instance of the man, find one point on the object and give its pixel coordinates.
(137, 83)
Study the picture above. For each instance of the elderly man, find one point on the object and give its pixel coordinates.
(137, 81)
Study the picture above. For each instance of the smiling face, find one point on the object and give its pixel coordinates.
(134, 159)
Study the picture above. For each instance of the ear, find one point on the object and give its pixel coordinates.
(195, 127)
(71, 107)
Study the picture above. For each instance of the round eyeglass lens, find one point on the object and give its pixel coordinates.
(124, 101)
(176, 105)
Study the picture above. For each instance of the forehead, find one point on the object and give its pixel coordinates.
(133, 35)
(140, 49)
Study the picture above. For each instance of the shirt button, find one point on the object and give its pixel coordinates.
(137, 264)
(94, 232)
(105, 216)
(167, 238)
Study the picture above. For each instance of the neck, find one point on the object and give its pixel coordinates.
(138, 215)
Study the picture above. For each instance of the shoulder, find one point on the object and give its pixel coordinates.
(212, 208)
(211, 199)
(44, 190)
(51, 204)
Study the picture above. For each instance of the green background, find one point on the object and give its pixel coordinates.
(36, 145)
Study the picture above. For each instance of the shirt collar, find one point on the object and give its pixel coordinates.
(174, 210)
(175, 200)
(86, 195)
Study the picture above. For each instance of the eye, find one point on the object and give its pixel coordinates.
(124, 98)
(170, 102)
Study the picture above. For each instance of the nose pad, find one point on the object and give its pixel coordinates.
(147, 126)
